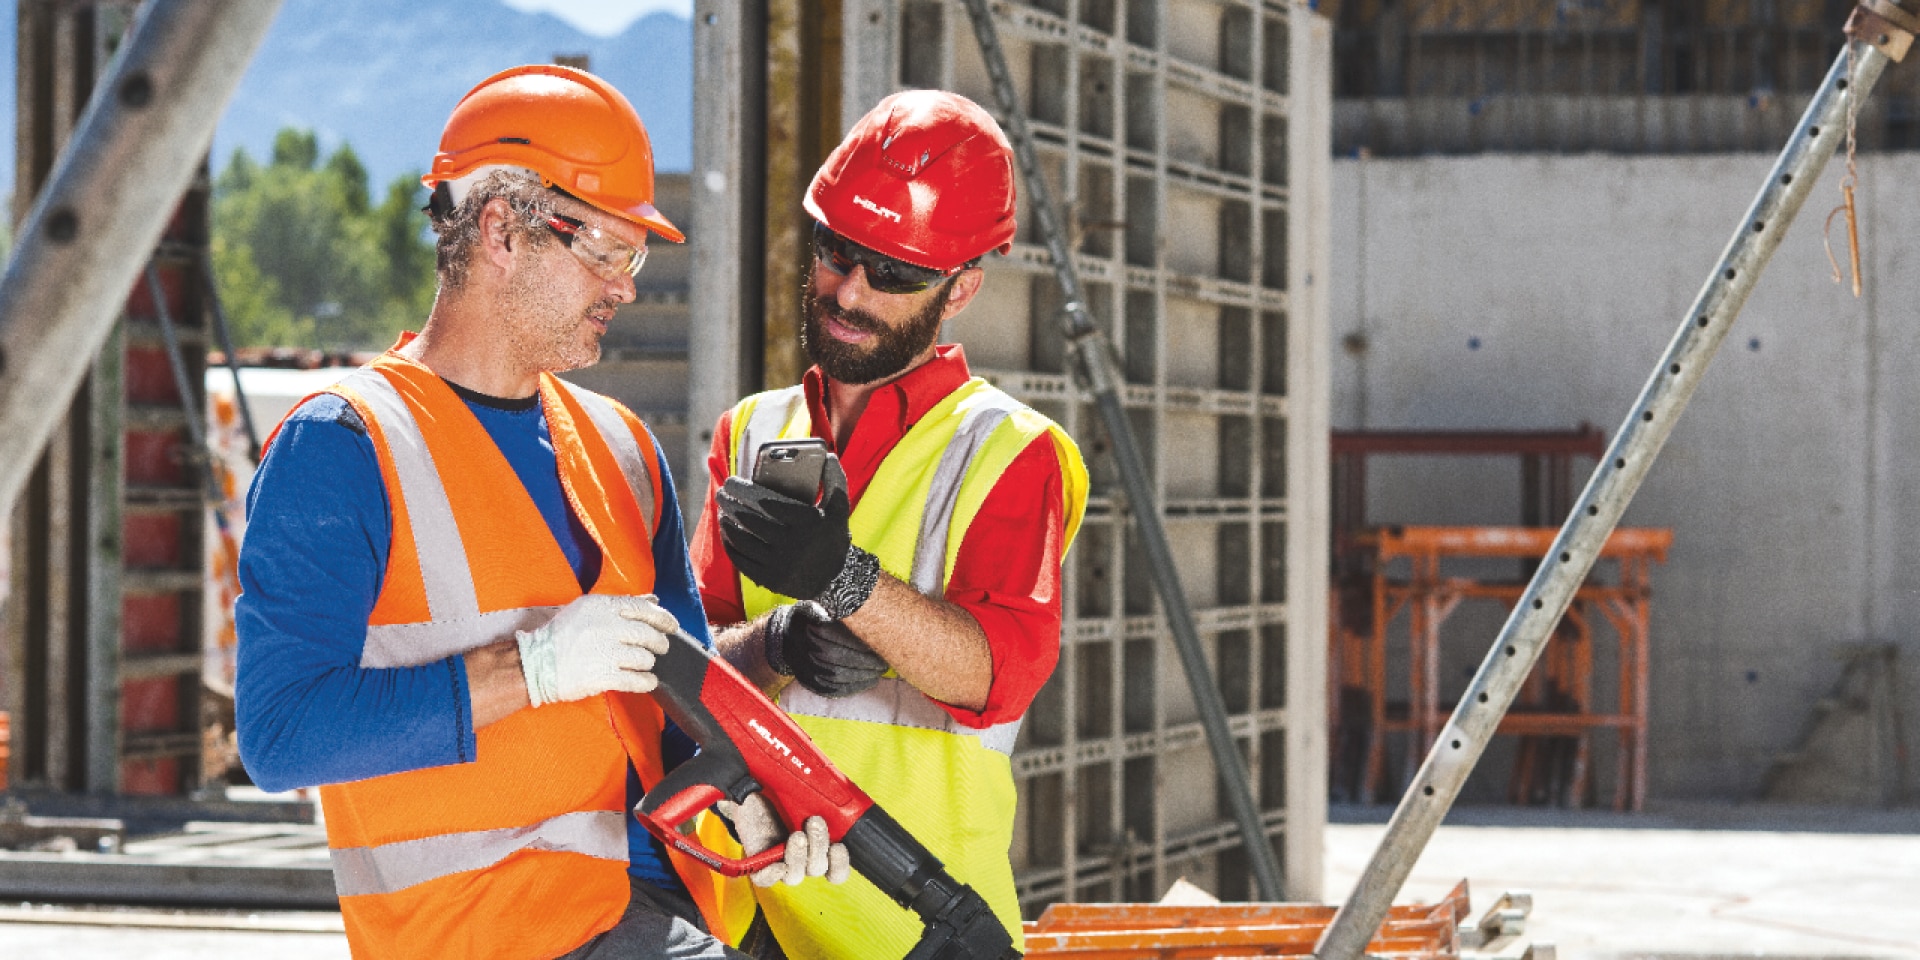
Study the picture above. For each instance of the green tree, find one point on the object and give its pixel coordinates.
(252, 301)
(297, 149)
(303, 257)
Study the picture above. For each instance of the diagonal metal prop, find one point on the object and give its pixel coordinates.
(116, 184)
(1635, 445)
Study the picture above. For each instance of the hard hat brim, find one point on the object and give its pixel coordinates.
(645, 215)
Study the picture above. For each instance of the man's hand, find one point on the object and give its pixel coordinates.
(594, 645)
(780, 543)
(808, 852)
(803, 642)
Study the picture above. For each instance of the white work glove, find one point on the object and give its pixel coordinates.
(593, 645)
(808, 852)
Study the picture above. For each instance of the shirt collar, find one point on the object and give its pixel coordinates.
(916, 392)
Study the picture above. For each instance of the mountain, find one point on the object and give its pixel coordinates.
(383, 76)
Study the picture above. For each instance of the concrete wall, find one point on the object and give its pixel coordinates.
(1537, 292)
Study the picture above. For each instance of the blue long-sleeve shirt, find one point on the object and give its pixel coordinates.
(318, 533)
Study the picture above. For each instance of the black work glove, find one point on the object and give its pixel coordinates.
(792, 548)
(804, 643)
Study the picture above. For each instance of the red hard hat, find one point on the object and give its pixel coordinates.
(926, 177)
(572, 128)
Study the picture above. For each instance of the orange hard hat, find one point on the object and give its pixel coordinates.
(572, 128)
(926, 177)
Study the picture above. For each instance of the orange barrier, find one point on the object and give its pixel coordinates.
(1151, 931)
(6, 747)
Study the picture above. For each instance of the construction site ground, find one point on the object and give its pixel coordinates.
(1693, 881)
(1682, 881)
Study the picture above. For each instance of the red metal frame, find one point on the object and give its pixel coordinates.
(1558, 701)
(1556, 710)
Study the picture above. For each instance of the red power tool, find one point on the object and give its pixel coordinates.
(746, 745)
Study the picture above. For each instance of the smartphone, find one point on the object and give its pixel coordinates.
(792, 468)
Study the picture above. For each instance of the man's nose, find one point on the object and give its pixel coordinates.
(622, 287)
(852, 288)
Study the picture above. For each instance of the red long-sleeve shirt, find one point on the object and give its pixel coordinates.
(1007, 573)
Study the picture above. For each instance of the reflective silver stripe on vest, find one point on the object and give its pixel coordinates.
(930, 551)
(770, 415)
(626, 448)
(899, 703)
(436, 537)
(392, 867)
(412, 644)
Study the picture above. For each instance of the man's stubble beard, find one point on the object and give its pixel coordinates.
(551, 334)
(888, 353)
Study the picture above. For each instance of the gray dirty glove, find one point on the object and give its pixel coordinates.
(808, 852)
(595, 644)
(805, 643)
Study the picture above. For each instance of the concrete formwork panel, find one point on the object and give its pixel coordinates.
(1193, 343)
(1535, 293)
(995, 327)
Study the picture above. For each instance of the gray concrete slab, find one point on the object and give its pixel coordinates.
(1690, 881)
(40, 932)
(42, 942)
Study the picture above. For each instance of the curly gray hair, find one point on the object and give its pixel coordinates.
(459, 230)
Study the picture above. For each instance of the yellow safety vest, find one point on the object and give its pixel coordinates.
(950, 785)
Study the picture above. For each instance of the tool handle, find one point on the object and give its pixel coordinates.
(683, 675)
(747, 745)
(679, 808)
(719, 772)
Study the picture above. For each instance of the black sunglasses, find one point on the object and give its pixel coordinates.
(884, 274)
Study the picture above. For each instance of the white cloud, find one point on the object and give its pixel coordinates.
(602, 18)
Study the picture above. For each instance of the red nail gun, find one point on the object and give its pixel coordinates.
(747, 744)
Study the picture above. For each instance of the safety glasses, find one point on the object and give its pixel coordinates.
(608, 256)
(884, 274)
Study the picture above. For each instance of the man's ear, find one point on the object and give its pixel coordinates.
(965, 285)
(496, 233)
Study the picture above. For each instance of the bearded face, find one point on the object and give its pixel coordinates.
(881, 351)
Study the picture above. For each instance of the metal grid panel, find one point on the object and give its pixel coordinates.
(1164, 128)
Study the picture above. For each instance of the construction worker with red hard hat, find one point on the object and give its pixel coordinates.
(459, 568)
(907, 616)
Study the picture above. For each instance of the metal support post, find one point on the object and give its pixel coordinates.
(218, 313)
(134, 153)
(183, 385)
(1097, 366)
(727, 258)
(1822, 130)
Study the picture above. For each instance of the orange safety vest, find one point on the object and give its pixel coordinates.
(521, 853)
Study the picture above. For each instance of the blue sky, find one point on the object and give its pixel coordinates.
(602, 18)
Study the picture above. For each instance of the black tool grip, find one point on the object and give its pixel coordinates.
(959, 924)
(682, 672)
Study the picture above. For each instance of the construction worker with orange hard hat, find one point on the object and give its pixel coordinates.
(907, 616)
(459, 568)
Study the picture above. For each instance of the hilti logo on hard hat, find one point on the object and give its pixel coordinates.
(876, 209)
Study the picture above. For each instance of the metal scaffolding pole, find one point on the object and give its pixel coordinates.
(1876, 38)
(134, 153)
(1099, 371)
